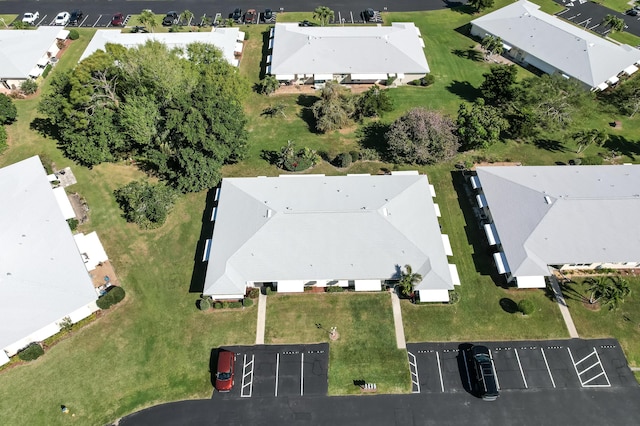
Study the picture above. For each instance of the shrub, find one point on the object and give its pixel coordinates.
(269, 291)
(425, 81)
(355, 156)
(144, 203)
(65, 324)
(267, 85)
(8, 111)
(335, 289)
(247, 302)
(31, 352)
(246, 35)
(204, 304)
(115, 295)
(3, 139)
(592, 160)
(369, 154)
(29, 87)
(297, 164)
(218, 305)
(526, 306)
(454, 297)
(342, 160)
(74, 34)
(73, 223)
(254, 293)
(46, 71)
(234, 305)
(390, 81)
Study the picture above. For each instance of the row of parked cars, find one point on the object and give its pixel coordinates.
(251, 16)
(66, 18)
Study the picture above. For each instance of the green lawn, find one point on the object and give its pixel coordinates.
(622, 323)
(366, 348)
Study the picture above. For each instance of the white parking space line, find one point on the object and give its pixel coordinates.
(586, 21)
(553, 382)
(564, 11)
(585, 357)
(598, 363)
(593, 378)
(82, 23)
(603, 371)
(42, 20)
(595, 26)
(302, 374)
(97, 20)
(524, 379)
(466, 367)
(440, 371)
(414, 372)
(495, 374)
(277, 371)
(246, 374)
(574, 365)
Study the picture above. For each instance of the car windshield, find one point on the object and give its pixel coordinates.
(224, 376)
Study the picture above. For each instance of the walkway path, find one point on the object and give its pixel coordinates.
(564, 309)
(262, 315)
(397, 320)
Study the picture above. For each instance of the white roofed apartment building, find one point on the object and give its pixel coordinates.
(43, 277)
(566, 217)
(228, 40)
(315, 230)
(364, 54)
(554, 46)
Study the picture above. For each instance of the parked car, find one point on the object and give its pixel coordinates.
(225, 371)
(237, 15)
(632, 12)
(171, 18)
(484, 376)
(76, 17)
(267, 15)
(62, 18)
(117, 20)
(250, 16)
(368, 14)
(30, 18)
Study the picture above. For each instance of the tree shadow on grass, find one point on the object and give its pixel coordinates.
(549, 145)
(200, 266)
(372, 136)
(464, 90)
(306, 113)
(623, 146)
(508, 305)
(45, 127)
(470, 53)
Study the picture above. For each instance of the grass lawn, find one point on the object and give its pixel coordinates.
(622, 323)
(366, 349)
(626, 38)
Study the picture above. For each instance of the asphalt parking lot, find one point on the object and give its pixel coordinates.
(589, 15)
(521, 365)
(278, 371)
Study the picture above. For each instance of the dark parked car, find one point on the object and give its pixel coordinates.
(368, 14)
(268, 15)
(632, 12)
(225, 371)
(171, 18)
(250, 16)
(484, 376)
(117, 20)
(237, 15)
(76, 17)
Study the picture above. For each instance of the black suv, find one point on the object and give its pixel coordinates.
(76, 17)
(237, 15)
(171, 18)
(485, 378)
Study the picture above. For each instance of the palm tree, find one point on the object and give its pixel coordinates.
(492, 46)
(148, 19)
(616, 24)
(186, 17)
(408, 279)
(324, 14)
(611, 290)
(584, 138)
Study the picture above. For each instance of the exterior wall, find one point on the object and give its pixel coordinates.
(595, 266)
(433, 295)
(290, 286)
(531, 282)
(227, 296)
(408, 78)
(541, 65)
(51, 329)
(368, 285)
(14, 83)
(3, 358)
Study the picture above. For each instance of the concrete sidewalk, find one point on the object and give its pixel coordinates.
(397, 320)
(262, 315)
(564, 309)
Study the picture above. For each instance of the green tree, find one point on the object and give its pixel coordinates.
(408, 280)
(480, 126)
(145, 204)
(608, 290)
(8, 111)
(613, 22)
(422, 137)
(29, 87)
(491, 46)
(186, 16)
(480, 5)
(584, 138)
(499, 85)
(148, 19)
(373, 103)
(335, 108)
(323, 14)
(267, 85)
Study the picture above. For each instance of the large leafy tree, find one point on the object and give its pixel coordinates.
(422, 137)
(181, 116)
(144, 203)
(335, 108)
(479, 5)
(324, 14)
(499, 85)
(374, 103)
(8, 111)
(480, 125)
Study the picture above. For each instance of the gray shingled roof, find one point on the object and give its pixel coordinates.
(42, 276)
(348, 50)
(20, 50)
(317, 227)
(576, 52)
(591, 214)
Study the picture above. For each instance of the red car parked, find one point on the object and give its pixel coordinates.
(117, 20)
(225, 371)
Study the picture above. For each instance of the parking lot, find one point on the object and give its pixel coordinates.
(550, 364)
(589, 16)
(279, 371)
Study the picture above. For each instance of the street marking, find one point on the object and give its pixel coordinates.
(548, 369)
(440, 372)
(585, 384)
(244, 376)
(277, 371)
(595, 26)
(302, 374)
(82, 23)
(97, 20)
(466, 367)
(593, 378)
(42, 20)
(585, 357)
(586, 21)
(415, 381)
(521, 371)
(603, 371)
(495, 374)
